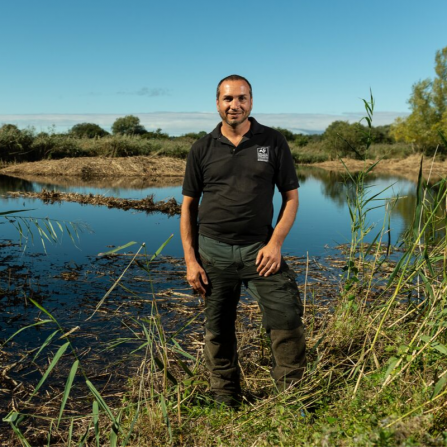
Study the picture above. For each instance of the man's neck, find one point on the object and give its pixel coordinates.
(235, 134)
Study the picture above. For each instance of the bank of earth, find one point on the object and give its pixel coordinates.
(157, 167)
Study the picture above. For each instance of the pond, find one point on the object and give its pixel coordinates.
(70, 280)
(322, 221)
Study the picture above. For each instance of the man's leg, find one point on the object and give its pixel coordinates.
(220, 310)
(280, 303)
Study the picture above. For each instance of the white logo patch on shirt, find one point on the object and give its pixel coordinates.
(263, 153)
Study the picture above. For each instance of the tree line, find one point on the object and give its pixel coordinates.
(129, 137)
(421, 132)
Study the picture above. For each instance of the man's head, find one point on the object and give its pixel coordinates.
(233, 78)
(234, 100)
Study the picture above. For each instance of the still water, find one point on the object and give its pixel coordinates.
(322, 222)
(70, 280)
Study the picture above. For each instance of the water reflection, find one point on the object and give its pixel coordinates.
(323, 218)
(8, 183)
(113, 186)
(338, 185)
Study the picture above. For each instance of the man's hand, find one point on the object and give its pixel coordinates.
(269, 259)
(196, 277)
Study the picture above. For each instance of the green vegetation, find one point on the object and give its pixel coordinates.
(377, 371)
(418, 133)
(130, 138)
(128, 125)
(428, 116)
(88, 130)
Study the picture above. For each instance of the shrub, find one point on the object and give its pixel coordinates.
(195, 135)
(128, 125)
(88, 130)
(15, 144)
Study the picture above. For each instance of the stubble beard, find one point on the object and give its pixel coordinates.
(235, 122)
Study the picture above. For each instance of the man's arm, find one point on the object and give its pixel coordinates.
(269, 257)
(195, 274)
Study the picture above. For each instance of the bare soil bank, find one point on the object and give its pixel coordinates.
(91, 167)
(157, 169)
(407, 167)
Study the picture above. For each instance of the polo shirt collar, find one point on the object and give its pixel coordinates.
(255, 128)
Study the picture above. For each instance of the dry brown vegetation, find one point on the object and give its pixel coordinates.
(91, 167)
(407, 167)
(170, 206)
(155, 170)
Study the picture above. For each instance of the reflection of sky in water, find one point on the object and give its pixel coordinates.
(323, 218)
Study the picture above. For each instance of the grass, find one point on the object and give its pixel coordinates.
(377, 365)
(377, 358)
(17, 148)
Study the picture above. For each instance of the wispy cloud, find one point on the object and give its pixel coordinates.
(145, 91)
(176, 123)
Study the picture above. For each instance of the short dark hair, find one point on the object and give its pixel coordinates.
(233, 78)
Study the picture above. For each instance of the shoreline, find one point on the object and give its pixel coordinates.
(407, 167)
(154, 168)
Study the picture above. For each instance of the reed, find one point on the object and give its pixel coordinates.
(377, 370)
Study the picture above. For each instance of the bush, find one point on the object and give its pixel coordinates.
(157, 135)
(61, 146)
(88, 130)
(312, 153)
(386, 151)
(128, 125)
(15, 144)
(195, 135)
(344, 139)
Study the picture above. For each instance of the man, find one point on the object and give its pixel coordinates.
(230, 239)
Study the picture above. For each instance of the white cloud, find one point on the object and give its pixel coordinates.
(144, 91)
(176, 123)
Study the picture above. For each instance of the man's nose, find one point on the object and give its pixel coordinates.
(235, 103)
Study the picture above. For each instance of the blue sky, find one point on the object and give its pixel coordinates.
(309, 61)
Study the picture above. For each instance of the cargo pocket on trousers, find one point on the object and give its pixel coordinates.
(292, 288)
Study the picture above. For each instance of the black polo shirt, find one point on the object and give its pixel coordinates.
(238, 183)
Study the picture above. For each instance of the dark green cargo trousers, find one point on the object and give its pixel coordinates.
(228, 267)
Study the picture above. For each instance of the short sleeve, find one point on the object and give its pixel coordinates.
(193, 181)
(285, 177)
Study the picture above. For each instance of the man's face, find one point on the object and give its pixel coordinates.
(235, 103)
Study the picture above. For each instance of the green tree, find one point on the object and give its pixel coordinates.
(301, 140)
(344, 139)
(381, 134)
(128, 125)
(16, 144)
(428, 104)
(288, 135)
(88, 130)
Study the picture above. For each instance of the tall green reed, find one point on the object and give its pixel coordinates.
(412, 294)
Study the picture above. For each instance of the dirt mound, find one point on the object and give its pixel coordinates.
(408, 167)
(91, 167)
